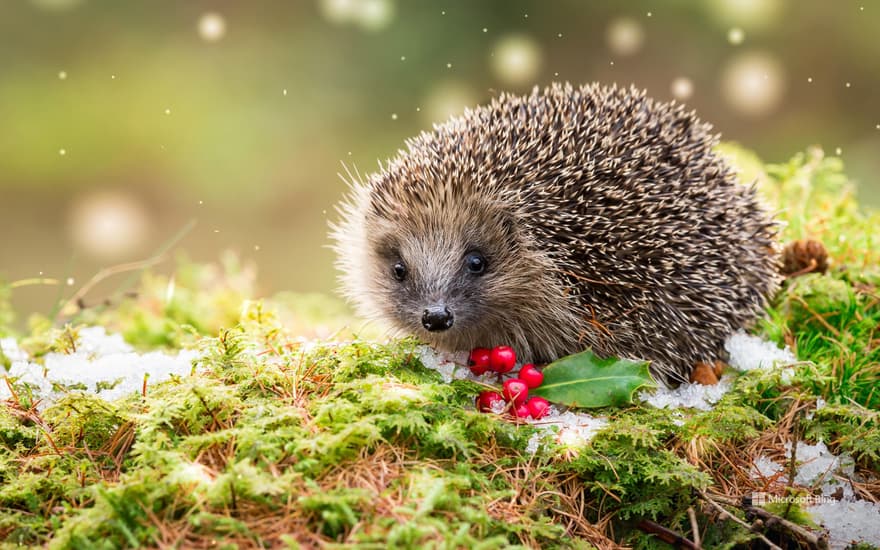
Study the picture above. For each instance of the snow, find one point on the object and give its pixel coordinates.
(749, 352)
(451, 366)
(836, 508)
(102, 363)
(746, 352)
(569, 429)
(848, 521)
(693, 396)
(765, 468)
(817, 464)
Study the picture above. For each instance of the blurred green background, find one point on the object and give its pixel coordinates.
(124, 121)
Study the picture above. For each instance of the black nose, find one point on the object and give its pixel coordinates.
(437, 318)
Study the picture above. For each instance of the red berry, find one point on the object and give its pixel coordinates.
(487, 399)
(538, 407)
(522, 411)
(479, 360)
(531, 376)
(502, 359)
(515, 390)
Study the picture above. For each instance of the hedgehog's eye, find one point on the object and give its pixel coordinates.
(476, 263)
(399, 270)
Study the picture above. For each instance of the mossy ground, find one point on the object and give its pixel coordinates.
(275, 444)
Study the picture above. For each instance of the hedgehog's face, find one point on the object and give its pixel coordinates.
(446, 274)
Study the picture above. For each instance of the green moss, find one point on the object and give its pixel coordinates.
(16, 435)
(831, 322)
(849, 428)
(631, 459)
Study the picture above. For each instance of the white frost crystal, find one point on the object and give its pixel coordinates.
(448, 365)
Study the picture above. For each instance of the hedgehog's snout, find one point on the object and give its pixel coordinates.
(437, 318)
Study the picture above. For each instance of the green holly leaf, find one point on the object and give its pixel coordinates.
(585, 380)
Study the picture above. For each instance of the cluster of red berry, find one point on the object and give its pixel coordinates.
(502, 359)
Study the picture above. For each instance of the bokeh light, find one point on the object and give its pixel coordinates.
(625, 36)
(372, 15)
(375, 15)
(448, 99)
(753, 83)
(339, 11)
(56, 5)
(682, 88)
(212, 27)
(752, 14)
(516, 59)
(108, 225)
(736, 36)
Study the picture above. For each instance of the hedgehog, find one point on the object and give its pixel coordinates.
(571, 218)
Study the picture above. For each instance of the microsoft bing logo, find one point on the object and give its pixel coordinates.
(761, 498)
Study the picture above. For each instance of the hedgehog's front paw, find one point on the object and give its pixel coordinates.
(707, 373)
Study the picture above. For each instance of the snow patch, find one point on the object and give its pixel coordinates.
(449, 365)
(765, 468)
(103, 364)
(569, 429)
(837, 508)
(848, 522)
(749, 352)
(694, 396)
(816, 463)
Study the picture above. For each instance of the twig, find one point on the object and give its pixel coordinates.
(12, 391)
(818, 317)
(667, 535)
(695, 528)
(792, 464)
(70, 307)
(815, 541)
(813, 265)
(727, 515)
